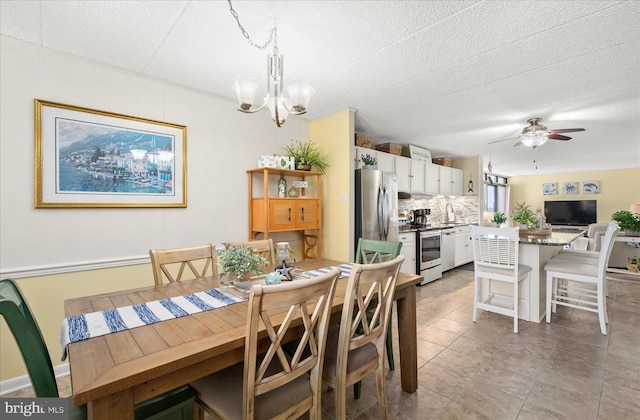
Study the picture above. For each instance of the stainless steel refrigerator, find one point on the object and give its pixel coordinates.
(376, 205)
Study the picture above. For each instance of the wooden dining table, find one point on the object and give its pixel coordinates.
(113, 372)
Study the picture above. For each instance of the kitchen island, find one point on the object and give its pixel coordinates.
(536, 251)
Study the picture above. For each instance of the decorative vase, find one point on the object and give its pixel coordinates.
(303, 167)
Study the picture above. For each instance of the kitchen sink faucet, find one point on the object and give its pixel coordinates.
(446, 213)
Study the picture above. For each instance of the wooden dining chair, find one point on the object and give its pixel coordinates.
(356, 346)
(372, 251)
(171, 263)
(175, 404)
(274, 384)
(263, 247)
(580, 283)
(496, 258)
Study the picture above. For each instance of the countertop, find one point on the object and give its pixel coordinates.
(555, 239)
(433, 226)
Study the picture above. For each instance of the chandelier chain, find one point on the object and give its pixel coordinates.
(272, 32)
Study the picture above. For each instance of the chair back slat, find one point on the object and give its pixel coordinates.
(16, 312)
(607, 247)
(183, 263)
(495, 247)
(371, 288)
(372, 251)
(278, 310)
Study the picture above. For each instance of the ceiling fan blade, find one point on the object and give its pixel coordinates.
(566, 130)
(554, 136)
(500, 141)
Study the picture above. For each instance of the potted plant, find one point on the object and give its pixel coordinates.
(369, 161)
(628, 222)
(523, 215)
(500, 219)
(307, 155)
(238, 263)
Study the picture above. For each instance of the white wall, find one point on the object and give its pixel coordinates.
(221, 144)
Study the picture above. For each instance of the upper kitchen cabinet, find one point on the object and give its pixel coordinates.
(431, 178)
(450, 181)
(385, 160)
(410, 173)
(271, 212)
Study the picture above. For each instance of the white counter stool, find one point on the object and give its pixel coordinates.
(496, 257)
(563, 274)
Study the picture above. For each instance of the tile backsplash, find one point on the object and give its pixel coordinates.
(465, 207)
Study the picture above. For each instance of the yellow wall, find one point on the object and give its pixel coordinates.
(334, 134)
(618, 189)
(46, 296)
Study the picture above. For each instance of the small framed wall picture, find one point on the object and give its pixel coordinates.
(549, 189)
(591, 187)
(569, 188)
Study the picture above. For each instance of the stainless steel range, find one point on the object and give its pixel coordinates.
(429, 257)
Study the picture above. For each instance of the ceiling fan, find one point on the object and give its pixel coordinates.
(536, 134)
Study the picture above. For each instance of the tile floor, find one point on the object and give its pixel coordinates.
(562, 370)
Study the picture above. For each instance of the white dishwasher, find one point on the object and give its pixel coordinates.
(448, 249)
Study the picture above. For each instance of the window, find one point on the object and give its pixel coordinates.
(496, 193)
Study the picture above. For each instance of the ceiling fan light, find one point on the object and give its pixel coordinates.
(245, 89)
(534, 139)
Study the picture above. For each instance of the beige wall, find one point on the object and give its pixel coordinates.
(334, 134)
(618, 189)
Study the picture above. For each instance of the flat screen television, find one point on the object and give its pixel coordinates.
(571, 212)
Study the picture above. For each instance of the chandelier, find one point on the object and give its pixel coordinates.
(279, 105)
(535, 134)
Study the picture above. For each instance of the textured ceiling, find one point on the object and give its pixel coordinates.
(450, 76)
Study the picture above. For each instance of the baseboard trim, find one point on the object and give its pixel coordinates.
(21, 382)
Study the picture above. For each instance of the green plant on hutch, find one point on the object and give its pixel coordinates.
(307, 155)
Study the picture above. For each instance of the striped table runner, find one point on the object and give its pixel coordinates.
(95, 324)
(346, 271)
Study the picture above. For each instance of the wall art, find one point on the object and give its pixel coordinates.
(90, 158)
(569, 188)
(549, 189)
(591, 187)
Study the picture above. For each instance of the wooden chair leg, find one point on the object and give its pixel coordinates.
(392, 365)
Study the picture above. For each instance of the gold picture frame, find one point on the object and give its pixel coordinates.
(87, 158)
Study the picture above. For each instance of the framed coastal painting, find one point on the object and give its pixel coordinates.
(591, 187)
(549, 189)
(569, 188)
(90, 158)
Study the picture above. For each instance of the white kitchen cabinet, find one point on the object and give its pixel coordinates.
(408, 251)
(410, 173)
(445, 180)
(450, 181)
(403, 173)
(463, 247)
(431, 178)
(456, 182)
(385, 160)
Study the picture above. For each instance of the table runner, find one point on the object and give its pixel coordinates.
(345, 268)
(85, 326)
